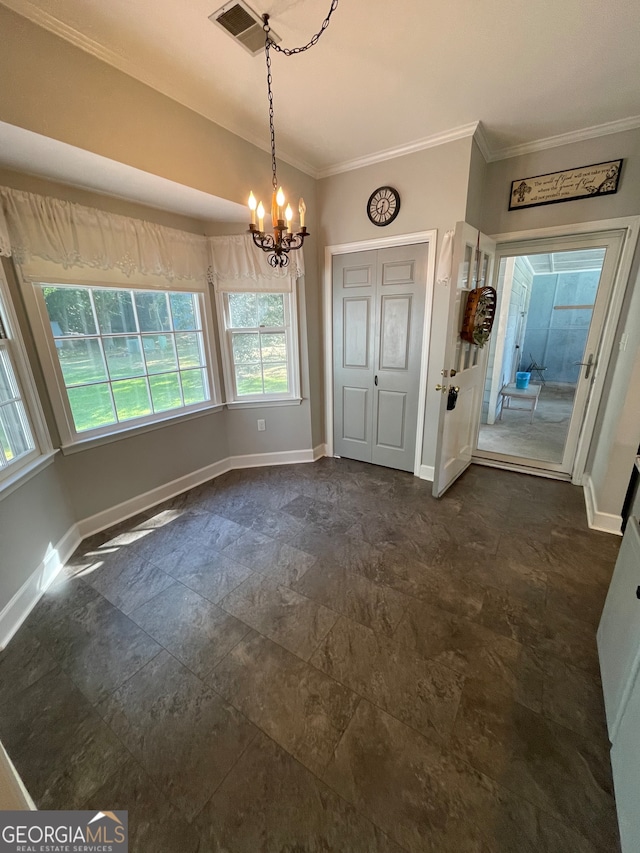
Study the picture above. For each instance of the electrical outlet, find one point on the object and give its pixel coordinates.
(261, 425)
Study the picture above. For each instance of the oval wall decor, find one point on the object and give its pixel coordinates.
(479, 315)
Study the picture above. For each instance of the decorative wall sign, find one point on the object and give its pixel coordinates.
(598, 179)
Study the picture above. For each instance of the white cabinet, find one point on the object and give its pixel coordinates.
(619, 630)
(625, 763)
(619, 651)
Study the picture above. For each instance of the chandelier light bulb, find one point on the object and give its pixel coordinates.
(252, 207)
(261, 216)
(280, 200)
(288, 215)
(302, 209)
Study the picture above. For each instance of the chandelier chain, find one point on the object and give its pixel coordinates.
(291, 51)
(274, 176)
(268, 44)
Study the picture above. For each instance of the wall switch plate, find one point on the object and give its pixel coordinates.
(261, 425)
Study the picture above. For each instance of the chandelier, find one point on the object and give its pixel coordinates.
(283, 239)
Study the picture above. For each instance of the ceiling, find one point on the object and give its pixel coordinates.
(576, 260)
(25, 151)
(386, 77)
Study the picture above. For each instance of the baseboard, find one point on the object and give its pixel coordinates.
(319, 451)
(147, 500)
(120, 512)
(605, 521)
(260, 460)
(13, 794)
(18, 608)
(427, 472)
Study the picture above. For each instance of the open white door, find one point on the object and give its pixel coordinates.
(464, 363)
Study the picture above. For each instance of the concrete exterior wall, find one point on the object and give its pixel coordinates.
(556, 337)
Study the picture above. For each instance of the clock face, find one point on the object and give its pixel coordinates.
(383, 205)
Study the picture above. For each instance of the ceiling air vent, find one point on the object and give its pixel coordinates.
(243, 24)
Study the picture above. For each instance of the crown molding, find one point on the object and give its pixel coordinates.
(619, 126)
(436, 139)
(27, 9)
(43, 19)
(480, 138)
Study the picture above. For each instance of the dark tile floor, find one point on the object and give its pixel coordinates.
(324, 658)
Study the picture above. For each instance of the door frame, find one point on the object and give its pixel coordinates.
(631, 225)
(428, 237)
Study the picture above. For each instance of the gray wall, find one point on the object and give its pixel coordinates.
(66, 94)
(475, 192)
(433, 187)
(497, 219)
(617, 432)
(102, 477)
(33, 519)
(69, 95)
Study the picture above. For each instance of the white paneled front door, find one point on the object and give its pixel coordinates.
(464, 363)
(378, 310)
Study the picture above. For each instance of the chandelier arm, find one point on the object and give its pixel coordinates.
(263, 241)
(294, 241)
(291, 51)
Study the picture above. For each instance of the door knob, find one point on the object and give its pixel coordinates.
(442, 388)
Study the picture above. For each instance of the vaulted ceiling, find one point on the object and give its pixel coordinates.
(386, 76)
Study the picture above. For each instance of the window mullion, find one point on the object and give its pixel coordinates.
(95, 409)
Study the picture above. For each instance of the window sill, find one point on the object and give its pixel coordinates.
(118, 435)
(263, 404)
(25, 473)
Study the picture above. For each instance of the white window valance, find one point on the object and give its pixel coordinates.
(238, 265)
(38, 227)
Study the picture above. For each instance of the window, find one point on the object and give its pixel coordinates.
(18, 443)
(16, 437)
(126, 356)
(261, 346)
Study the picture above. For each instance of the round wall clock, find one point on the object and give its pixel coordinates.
(383, 205)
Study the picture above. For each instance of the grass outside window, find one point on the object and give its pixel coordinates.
(259, 336)
(127, 354)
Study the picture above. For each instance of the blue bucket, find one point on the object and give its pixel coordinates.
(522, 380)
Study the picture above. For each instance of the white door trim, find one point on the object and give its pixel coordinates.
(428, 237)
(630, 224)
